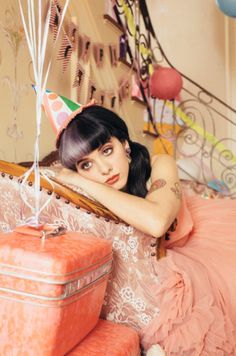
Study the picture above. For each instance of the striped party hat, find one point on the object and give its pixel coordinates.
(61, 110)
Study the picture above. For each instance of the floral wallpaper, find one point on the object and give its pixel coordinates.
(17, 99)
(14, 34)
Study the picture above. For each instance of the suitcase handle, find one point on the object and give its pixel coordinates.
(43, 231)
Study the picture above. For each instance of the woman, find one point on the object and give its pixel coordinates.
(190, 293)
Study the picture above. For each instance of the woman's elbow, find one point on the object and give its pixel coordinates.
(160, 223)
(156, 227)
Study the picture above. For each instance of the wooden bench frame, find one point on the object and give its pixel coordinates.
(80, 201)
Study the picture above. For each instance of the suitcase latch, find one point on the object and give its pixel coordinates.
(59, 230)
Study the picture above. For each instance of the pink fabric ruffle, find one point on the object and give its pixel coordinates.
(186, 326)
(197, 293)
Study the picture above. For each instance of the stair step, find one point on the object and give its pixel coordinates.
(127, 64)
(109, 20)
(139, 101)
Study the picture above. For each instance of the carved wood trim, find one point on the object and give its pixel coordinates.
(62, 191)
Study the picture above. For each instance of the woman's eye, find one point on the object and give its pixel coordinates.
(107, 151)
(86, 165)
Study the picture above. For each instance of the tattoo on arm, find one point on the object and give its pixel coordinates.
(157, 184)
(177, 190)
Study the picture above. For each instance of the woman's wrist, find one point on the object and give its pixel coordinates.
(68, 176)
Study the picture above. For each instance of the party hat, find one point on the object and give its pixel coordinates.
(61, 110)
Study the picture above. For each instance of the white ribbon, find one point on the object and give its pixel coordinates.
(37, 44)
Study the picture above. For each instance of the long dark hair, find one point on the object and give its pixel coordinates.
(94, 127)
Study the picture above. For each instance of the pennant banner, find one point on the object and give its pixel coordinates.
(73, 41)
(84, 48)
(113, 50)
(79, 76)
(91, 90)
(98, 52)
(65, 52)
(55, 17)
(73, 35)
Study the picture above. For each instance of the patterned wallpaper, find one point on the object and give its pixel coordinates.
(17, 99)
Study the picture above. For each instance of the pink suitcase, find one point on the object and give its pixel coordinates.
(108, 339)
(51, 290)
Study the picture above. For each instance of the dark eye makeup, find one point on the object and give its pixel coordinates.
(85, 165)
(106, 150)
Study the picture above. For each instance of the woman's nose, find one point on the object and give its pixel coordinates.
(105, 167)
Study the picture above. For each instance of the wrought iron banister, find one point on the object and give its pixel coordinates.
(205, 122)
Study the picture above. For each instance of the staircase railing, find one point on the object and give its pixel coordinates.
(205, 139)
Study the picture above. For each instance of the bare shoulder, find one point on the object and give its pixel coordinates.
(163, 162)
(164, 169)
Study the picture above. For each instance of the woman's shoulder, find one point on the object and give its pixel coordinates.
(163, 166)
(162, 159)
(160, 163)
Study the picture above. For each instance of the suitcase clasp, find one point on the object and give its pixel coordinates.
(58, 231)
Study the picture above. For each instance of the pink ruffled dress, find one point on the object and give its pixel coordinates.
(186, 302)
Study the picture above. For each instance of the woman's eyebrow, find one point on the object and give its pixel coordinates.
(100, 147)
(82, 160)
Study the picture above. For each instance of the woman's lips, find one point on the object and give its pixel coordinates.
(113, 179)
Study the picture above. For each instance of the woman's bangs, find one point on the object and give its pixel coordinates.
(88, 132)
(91, 141)
(82, 144)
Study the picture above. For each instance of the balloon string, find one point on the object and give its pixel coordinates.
(37, 45)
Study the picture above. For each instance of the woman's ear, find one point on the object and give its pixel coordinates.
(127, 150)
(126, 146)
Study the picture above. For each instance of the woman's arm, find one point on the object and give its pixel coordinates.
(165, 189)
(152, 215)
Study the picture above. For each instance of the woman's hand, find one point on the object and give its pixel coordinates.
(68, 176)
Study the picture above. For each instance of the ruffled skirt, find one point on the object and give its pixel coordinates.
(198, 286)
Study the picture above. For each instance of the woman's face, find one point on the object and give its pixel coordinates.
(108, 164)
